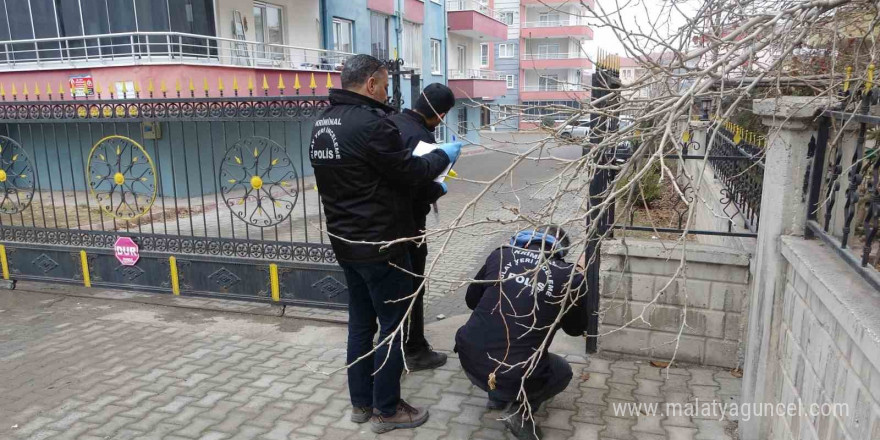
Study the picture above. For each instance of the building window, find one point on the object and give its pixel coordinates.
(484, 54)
(462, 121)
(440, 133)
(29, 19)
(412, 44)
(511, 81)
(462, 59)
(267, 27)
(548, 51)
(436, 57)
(343, 35)
(379, 47)
(506, 17)
(547, 83)
(506, 50)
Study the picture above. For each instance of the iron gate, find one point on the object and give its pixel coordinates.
(216, 192)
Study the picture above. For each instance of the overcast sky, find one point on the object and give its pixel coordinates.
(637, 14)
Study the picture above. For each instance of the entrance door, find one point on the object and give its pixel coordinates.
(485, 119)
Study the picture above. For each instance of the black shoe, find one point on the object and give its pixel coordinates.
(518, 425)
(495, 405)
(424, 359)
(361, 414)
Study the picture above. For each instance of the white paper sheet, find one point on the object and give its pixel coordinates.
(424, 148)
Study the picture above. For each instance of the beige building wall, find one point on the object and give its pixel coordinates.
(301, 23)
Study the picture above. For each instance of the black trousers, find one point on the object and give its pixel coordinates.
(370, 286)
(538, 391)
(416, 341)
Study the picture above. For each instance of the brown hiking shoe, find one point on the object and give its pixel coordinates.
(406, 417)
(361, 414)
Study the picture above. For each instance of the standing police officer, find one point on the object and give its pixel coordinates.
(417, 125)
(364, 174)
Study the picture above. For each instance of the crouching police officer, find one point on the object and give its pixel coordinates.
(502, 333)
(364, 174)
(417, 125)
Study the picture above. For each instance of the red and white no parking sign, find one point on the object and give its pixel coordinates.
(126, 251)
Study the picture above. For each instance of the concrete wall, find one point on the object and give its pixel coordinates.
(829, 343)
(713, 289)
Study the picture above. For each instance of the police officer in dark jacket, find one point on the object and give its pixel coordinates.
(364, 173)
(536, 284)
(417, 125)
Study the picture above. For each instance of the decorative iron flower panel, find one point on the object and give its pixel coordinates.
(258, 181)
(16, 177)
(122, 177)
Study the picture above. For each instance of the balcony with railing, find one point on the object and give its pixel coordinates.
(558, 27)
(474, 19)
(555, 60)
(477, 84)
(140, 48)
(553, 91)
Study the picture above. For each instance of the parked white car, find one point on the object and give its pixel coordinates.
(579, 130)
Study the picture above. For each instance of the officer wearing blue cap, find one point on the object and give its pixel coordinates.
(518, 295)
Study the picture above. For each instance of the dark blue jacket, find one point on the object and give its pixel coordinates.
(532, 298)
(413, 130)
(364, 174)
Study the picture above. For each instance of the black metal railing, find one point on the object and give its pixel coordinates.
(739, 167)
(843, 182)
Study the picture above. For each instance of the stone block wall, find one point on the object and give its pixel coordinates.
(829, 347)
(638, 279)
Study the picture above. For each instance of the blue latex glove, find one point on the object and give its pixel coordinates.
(452, 149)
(445, 188)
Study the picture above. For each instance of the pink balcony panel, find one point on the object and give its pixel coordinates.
(383, 6)
(414, 11)
(554, 95)
(590, 3)
(556, 31)
(478, 88)
(564, 63)
(473, 24)
(171, 74)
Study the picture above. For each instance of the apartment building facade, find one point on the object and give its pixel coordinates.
(117, 46)
(553, 53)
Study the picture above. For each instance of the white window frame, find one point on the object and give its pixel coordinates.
(412, 45)
(461, 54)
(484, 54)
(337, 27)
(440, 132)
(436, 56)
(510, 80)
(506, 50)
(503, 14)
(266, 54)
(387, 32)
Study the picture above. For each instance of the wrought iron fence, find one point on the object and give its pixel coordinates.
(843, 182)
(216, 192)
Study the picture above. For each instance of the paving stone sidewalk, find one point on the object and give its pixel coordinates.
(109, 379)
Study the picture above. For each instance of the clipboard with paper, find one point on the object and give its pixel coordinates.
(424, 148)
